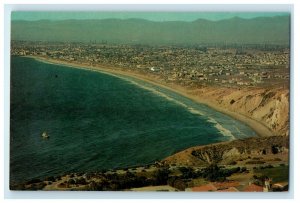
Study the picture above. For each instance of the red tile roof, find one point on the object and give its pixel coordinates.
(204, 188)
(227, 184)
(231, 189)
(253, 188)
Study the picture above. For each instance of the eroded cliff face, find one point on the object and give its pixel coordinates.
(268, 106)
(254, 150)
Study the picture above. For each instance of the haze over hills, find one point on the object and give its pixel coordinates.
(261, 30)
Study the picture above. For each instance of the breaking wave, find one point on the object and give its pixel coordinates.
(217, 125)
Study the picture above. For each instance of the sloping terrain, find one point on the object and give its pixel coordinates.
(254, 150)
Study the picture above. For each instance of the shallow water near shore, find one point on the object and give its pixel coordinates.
(97, 121)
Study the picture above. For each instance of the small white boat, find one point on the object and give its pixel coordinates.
(45, 135)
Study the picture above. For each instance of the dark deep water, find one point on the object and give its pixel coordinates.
(97, 121)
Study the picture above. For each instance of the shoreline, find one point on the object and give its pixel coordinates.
(197, 159)
(259, 128)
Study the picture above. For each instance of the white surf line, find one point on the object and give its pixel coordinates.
(222, 130)
(161, 94)
(217, 125)
(241, 133)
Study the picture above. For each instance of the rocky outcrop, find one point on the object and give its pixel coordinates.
(252, 149)
(268, 106)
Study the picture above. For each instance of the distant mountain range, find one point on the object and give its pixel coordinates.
(262, 30)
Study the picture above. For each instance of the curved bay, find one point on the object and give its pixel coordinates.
(97, 121)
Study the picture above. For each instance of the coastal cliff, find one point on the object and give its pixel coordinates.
(265, 110)
(267, 106)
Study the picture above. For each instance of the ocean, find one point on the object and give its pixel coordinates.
(98, 121)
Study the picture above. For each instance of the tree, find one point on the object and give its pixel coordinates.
(71, 181)
(179, 184)
(161, 176)
(187, 172)
(214, 173)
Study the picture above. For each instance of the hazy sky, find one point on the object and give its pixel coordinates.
(153, 16)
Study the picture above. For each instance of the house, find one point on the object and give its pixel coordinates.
(203, 188)
(230, 189)
(226, 184)
(253, 188)
(159, 188)
(154, 69)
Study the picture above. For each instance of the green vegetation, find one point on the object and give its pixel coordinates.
(179, 178)
(215, 173)
(255, 162)
(277, 174)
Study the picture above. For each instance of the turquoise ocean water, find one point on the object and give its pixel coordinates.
(97, 121)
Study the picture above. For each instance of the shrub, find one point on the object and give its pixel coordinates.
(171, 180)
(18, 187)
(243, 169)
(88, 175)
(62, 185)
(187, 172)
(71, 181)
(35, 180)
(80, 174)
(80, 181)
(233, 163)
(161, 176)
(179, 184)
(51, 178)
(37, 186)
(94, 186)
(234, 170)
(194, 153)
(255, 162)
(275, 149)
(213, 173)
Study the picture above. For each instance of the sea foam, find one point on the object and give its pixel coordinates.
(217, 125)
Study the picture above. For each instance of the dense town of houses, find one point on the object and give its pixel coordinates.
(190, 66)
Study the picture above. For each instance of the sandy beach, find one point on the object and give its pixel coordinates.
(258, 127)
